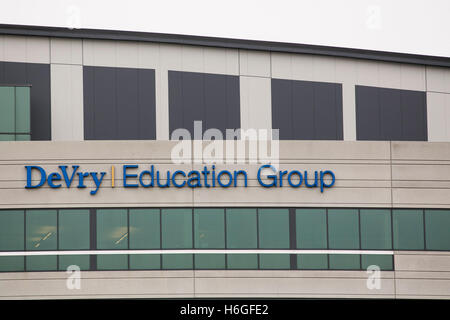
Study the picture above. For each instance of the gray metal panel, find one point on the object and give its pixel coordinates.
(367, 113)
(282, 107)
(302, 114)
(390, 114)
(414, 111)
(38, 76)
(119, 103)
(307, 110)
(147, 104)
(210, 98)
(127, 104)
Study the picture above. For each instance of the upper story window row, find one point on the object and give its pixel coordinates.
(121, 104)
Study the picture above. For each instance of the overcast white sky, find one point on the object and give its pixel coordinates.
(408, 26)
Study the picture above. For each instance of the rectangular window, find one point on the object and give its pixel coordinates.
(177, 234)
(390, 114)
(345, 261)
(376, 229)
(210, 98)
(176, 228)
(15, 113)
(112, 233)
(307, 110)
(385, 262)
(12, 239)
(73, 229)
(312, 261)
(343, 229)
(74, 234)
(273, 227)
(242, 234)
(311, 227)
(408, 229)
(119, 103)
(437, 232)
(41, 235)
(145, 234)
(209, 233)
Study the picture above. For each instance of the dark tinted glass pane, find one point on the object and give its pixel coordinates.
(74, 230)
(112, 229)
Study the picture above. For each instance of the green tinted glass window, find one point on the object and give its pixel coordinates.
(112, 229)
(22, 109)
(311, 228)
(408, 229)
(176, 228)
(41, 263)
(112, 262)
(384, 262)
(345, 261)
(73, 229)
(274, 261)
(273, 228)
(241, 228)
(144, 229)
(7, 137)
(343, 229)
(178, 261)
(12, 230)
(82, 261)
(145, 261)
(8, 264)
(7, 110)
(209, 229)
(242, 261)
(209, 261)
(41, 230)
(376, 229)
(312, 261)
(437, 232)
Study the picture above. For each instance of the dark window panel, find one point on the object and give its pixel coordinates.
(282, 107)
(367, 113)
(307, 110)
(390, 114)
(211, 98)
(119, 103)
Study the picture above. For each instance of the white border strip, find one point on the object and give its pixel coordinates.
(190, 251)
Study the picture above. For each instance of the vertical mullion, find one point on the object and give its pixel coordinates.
(424, 231)
(257, 238)
(192, 236)
(226, 238)
(93, 240)
(292, 238)
(160, 238)
(359, 227)
(328, 240)
(24, 239)
(57, 238)
(128, 240)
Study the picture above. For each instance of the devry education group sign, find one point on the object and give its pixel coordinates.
(132, 177)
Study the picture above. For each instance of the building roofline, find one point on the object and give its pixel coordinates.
(25, 30)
